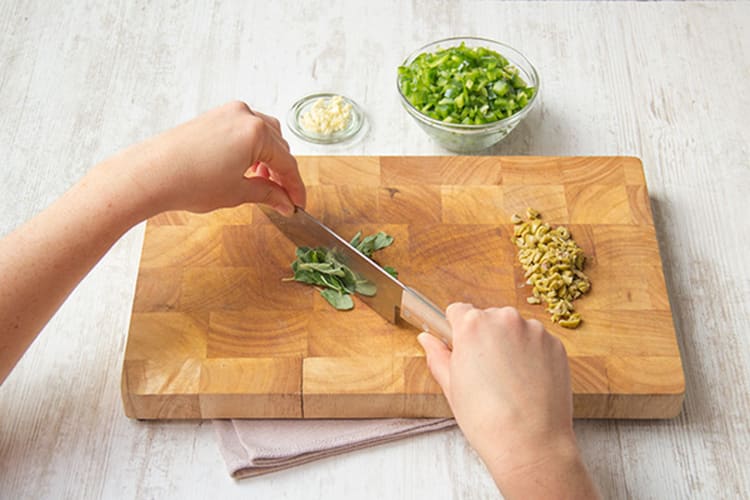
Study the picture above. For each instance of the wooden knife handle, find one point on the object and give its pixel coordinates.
(419, 311)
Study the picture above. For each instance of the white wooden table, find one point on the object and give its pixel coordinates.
(667, 82)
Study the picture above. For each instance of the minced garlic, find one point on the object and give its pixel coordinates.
(327, 116)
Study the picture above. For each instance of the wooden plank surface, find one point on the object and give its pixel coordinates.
(216, 333)
(80, 80)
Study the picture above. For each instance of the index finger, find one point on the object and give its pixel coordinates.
(455, 311)
(274, 154)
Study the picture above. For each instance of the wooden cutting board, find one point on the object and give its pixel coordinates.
(215, 333)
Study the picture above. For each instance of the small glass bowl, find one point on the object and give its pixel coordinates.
(471, 138)
(303, 105)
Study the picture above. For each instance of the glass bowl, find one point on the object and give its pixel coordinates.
(471, 138)
(304, 104)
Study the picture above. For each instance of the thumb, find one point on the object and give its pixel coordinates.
(258, 189)
(438, 359)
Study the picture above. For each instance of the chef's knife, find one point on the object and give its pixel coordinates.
(392, 299)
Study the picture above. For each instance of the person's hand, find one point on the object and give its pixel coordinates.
(228, 156)
(225, 157)
(508, 384)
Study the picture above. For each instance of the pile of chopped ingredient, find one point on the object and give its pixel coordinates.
(554, 266)
(466, 85)
(321, 267)
(327, 116)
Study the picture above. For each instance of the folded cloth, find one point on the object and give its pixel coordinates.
(254, 447)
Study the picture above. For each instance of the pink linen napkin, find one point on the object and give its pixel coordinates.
(254, 447)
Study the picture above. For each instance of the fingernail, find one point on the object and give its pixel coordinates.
(422, 338)
(285, 210)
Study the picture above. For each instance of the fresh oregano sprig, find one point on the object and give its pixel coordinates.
(320, 267)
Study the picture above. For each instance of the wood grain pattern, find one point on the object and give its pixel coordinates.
(227, 311)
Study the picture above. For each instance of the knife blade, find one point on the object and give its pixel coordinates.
(392, 299)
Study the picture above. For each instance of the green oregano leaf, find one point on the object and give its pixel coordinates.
(341, 301)
(321, 267)
(365, 287)
(390, 270)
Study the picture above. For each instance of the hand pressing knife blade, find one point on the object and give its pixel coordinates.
(392, 299)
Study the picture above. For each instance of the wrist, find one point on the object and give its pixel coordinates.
(122, 201)
(129, 182)
(550, 468)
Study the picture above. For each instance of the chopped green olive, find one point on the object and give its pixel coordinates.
(468, 85)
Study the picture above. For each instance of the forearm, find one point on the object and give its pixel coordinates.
(42, 261)
(210, 162)
(558, 473)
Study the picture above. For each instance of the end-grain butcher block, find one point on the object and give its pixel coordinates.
(216, 333)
